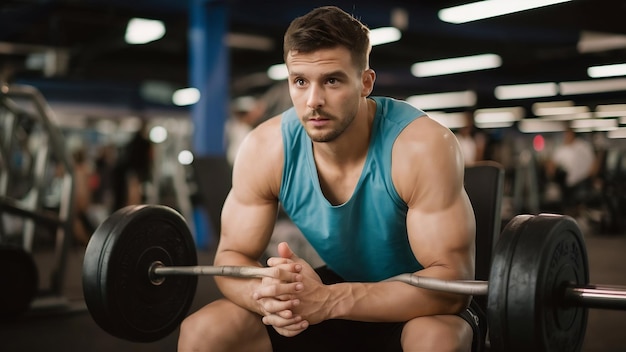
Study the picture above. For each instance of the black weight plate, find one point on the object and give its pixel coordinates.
(499, 278)
(549, 254)
(20, 282)
(118, 291)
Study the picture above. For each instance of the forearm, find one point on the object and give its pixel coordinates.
(390, 301)
(238, 290)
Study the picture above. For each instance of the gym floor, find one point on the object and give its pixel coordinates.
(69, 327)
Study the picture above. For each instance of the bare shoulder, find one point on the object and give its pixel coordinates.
(426, 156)
(258, 166)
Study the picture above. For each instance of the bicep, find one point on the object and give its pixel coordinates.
(444, 238)
(440, 219)
(246, 225)
(250, 210)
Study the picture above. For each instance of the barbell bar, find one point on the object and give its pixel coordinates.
(140, 274)
(590, 296)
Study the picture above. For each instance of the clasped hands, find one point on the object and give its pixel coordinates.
(294, 297)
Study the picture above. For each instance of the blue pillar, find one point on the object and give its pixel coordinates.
(209, 73)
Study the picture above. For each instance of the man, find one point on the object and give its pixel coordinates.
(574, 161)
(375, 186)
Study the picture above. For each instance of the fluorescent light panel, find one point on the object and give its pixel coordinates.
(592, 86)
(612, 110)
(590, 42)
(142, 31)
(618, 133)
(607, 71)
(490, 8)
(540, 126)
(186, 96)
(595, 124)
(384, 35)
(558, 108)
(278, 72)
(498, 115)
(567, 117)
(456, 65)
(443, 100)
(524, 91)
(561, 110)
(451, 120)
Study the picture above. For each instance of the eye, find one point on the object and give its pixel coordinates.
(299, 82)
(333, 81)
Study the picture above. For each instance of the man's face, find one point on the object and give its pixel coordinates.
(325, 89)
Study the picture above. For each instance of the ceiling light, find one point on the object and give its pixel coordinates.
(186, 96)
(595, 124)
(590, 42)
(455, 65)
(185, 157)
(537, 107)
(443, 100)
(384, 35)
(490, 8)
(158, 134)
(142, 31)
(618, 133)
(607, 71)
(590, 87)
(567, 117)
(611, 110)
(451, 120)
(498, 115)
(540, 126)
(560, 110)
(278, 72)
(524, 91)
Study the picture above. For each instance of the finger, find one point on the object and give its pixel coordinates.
(284, 272)
(273, 306)
(276, 261)
(295, 323)
(285, 251)
(276, 290)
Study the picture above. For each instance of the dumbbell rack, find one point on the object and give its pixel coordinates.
(24, 110)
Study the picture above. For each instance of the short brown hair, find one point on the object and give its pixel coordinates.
(325, 28)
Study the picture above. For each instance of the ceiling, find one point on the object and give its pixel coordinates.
(87, 59)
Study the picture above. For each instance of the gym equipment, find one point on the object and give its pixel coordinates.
(121, 294)
(140, 275)
(29, 131)
(21, 282)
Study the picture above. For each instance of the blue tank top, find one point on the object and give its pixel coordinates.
(364, 239)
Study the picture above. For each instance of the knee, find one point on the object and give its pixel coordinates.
(437, 333)
(195, 333)
(209, 330)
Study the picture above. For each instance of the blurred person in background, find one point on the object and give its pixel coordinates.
(472, 141)
(572, 166)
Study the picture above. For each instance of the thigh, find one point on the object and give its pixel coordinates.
(437, 333)
(223, 326)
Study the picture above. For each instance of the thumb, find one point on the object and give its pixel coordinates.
(285, 251)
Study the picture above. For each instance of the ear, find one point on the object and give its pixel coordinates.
(367, 79)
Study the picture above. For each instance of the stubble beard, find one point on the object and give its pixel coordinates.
(331, 135)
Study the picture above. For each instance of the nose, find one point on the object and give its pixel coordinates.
(315, 98)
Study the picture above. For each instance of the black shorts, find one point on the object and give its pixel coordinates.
(347, 335)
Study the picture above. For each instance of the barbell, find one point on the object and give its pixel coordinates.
(140, 275)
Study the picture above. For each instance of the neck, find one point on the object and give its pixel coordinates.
(352, 146)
